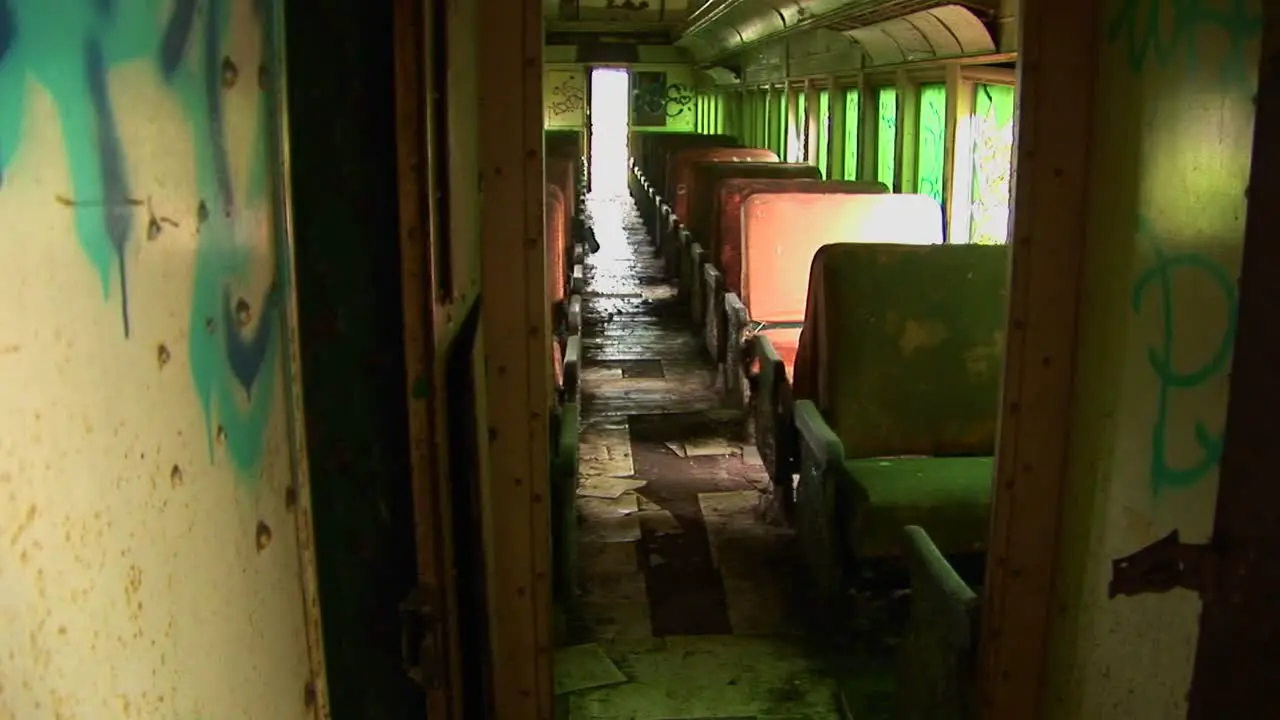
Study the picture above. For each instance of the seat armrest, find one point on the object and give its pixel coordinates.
(817, 518)
(816, 434)
(737, 319)
(712, 311)
(572, 366)
(693, 271)
(775, 429)
(564, 492)
(574, 314)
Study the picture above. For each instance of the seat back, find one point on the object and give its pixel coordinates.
(709, 175)
(782, 231)
(564, 143)
(680, 170)
(562, 173)
(937, 660)
(909, 346)
(724, 236)
(658, 147)
(554, 223)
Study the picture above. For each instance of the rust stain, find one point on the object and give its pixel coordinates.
(917, 335)
(984, 359)
(263, 536)
(28, 518)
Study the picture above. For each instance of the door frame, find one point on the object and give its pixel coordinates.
(516, 337)
(425, 340)
(1057, 63)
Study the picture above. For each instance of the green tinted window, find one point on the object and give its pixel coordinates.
(852, 106)
(800, 133)
(993, 109)
(887, 135)
(781, 149)
(824, 130)
(931, 132)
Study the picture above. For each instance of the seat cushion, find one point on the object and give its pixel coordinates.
(949, 497)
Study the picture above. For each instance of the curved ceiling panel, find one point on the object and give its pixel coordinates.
(933, 29)
(948, 31)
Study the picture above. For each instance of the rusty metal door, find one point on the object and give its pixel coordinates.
(1237, 666)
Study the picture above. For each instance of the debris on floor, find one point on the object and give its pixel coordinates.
(686, 592)
(582, 667)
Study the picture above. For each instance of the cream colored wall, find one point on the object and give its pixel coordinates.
(564, 92)
(681, 116)
(150, 566)
(1170, 166)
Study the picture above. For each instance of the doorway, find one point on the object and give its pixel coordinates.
(610, 95)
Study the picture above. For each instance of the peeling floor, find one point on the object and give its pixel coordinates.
(687, 586)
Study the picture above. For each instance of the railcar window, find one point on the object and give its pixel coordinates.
(992, 154)
(852, 107)
(887, 136)
(931, 134)
(824, 131)
(799, 135)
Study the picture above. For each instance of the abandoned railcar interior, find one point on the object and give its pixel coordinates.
(637, 359)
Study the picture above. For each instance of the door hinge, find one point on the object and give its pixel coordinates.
(421, 638)
(1163, 565)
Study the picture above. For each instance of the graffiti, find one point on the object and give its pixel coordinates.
(232, 339)
(1165, 31)
(1158, 280)
(671, 100)
(567, 97)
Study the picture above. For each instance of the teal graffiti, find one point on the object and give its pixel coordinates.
(1159, 279)
(1168, 31)
(69, 48)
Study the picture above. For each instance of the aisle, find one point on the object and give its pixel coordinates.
(684, 584)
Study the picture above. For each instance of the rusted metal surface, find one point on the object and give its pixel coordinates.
(1237, 666)
(1163, 565)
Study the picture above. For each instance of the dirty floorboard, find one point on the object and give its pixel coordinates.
(686, 585)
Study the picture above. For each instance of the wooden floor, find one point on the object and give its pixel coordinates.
(687, 587)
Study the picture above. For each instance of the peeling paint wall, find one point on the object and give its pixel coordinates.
(150, 564)
(1172, 143)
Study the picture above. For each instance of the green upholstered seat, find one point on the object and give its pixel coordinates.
(910, 360)
(938, 659)
(908, 343)
(948, 496)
